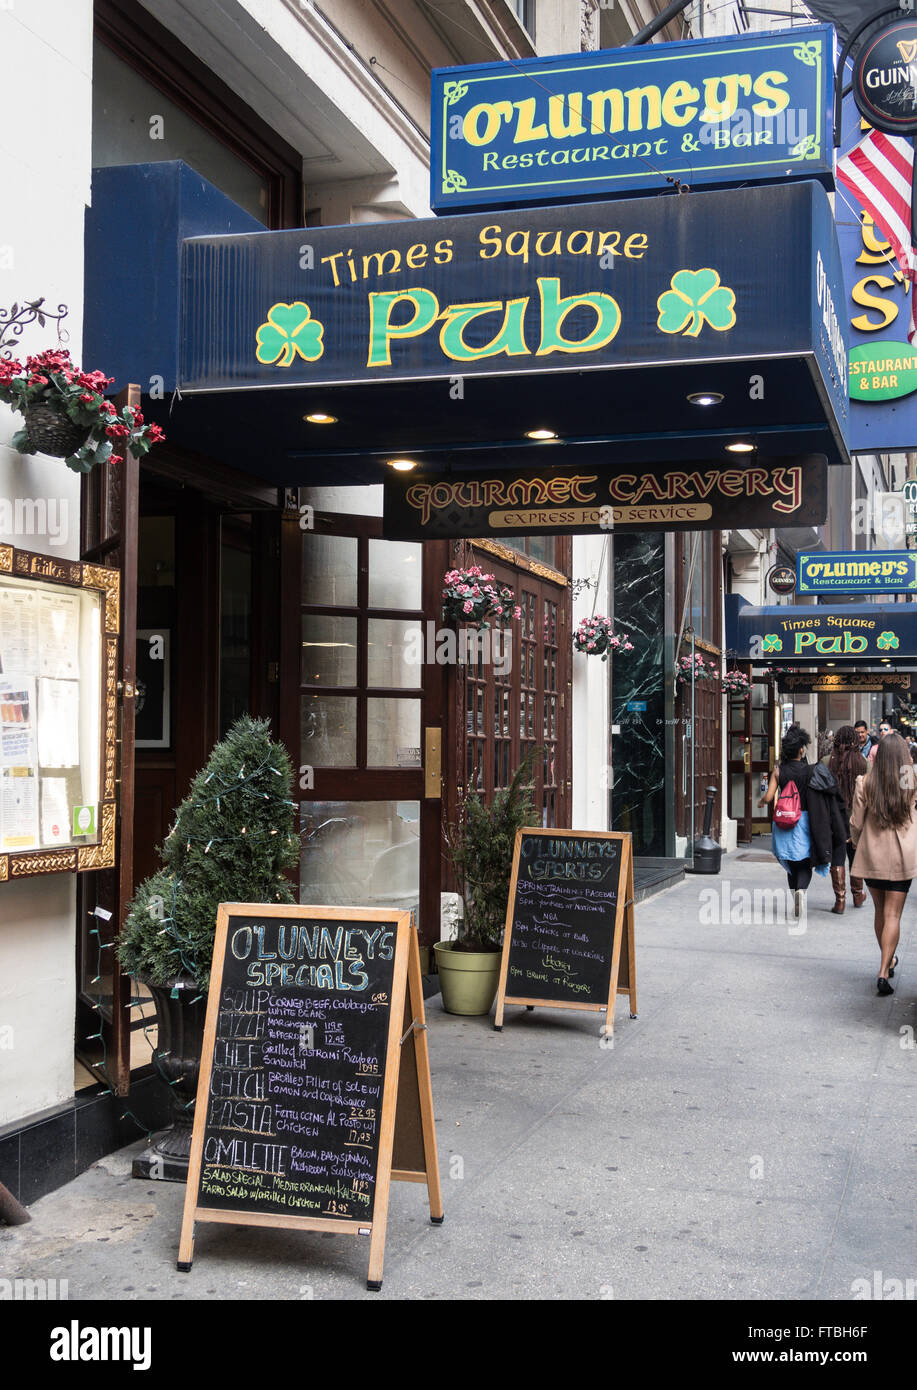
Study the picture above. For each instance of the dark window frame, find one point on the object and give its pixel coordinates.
(154, 52)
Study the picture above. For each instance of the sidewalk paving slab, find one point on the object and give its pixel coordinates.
(751, 1135)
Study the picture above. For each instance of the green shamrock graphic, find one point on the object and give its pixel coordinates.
(696, 295)
(772, 643)
(290, 329)
(886, 641)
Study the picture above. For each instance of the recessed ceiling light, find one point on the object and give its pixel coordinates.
(705, 397)
(402, 465)
(830, 663)
(541, 434)
(318, 417)
(740, 447)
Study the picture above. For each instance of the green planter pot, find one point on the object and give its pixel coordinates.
(468, 978)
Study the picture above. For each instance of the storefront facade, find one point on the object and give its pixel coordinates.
(258, 573)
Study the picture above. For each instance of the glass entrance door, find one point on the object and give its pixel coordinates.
(361, 725)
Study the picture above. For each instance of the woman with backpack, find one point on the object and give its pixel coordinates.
(883, 825)
(808, 829)
(847, 764)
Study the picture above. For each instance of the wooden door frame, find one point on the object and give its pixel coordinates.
(462, 554)
(136, 37)
(109, 523)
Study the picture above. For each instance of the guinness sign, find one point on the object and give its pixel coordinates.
(885, 78)
(782, 579)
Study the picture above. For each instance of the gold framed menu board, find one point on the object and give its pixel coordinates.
(59, 632)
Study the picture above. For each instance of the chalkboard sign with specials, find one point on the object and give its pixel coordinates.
(299, 1104)
(569, 936)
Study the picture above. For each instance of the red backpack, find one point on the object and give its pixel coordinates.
(788, 808)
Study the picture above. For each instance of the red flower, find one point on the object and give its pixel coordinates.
(117, 431)
(155, 434)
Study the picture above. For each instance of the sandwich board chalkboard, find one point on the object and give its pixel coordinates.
(314, 1089)
(568, 942)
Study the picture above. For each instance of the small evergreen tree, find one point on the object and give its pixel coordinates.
(481, 849)
(231, 842)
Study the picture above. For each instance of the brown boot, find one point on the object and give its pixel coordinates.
(858, 890)
(839, 883)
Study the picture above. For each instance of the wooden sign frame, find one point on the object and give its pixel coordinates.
(623, 976)
(406, 1123)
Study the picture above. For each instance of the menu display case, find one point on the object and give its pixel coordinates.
(59, 633)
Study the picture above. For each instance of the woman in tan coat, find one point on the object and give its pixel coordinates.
(883, 826)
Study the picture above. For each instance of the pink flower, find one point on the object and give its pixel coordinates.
(468, 606)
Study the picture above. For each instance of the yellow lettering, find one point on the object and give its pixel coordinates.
(635, 99)
(679, 94)
(723, 109)
(493, 114)
(565, 115)
(886, 307)
(772, 101)
(875, 252)
(525, 130)
(614, 100)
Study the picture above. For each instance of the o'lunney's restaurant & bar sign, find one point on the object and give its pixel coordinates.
(748, 108)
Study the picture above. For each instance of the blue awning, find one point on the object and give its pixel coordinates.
(449, 338)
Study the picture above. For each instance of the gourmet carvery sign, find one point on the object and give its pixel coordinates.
(711, 111)
(785, 491)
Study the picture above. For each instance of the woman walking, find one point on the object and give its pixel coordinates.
(884, 829)
(808, 827)
(847, 764)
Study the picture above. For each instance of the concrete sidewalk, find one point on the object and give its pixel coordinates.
(752, 1135)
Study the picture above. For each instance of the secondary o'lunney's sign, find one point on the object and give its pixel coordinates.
(857, 572)
(705, 495)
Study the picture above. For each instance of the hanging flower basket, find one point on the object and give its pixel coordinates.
(51, 432)
(470, 596)
(66, 414)
(736, 682)
(702, 670)
(596, 637)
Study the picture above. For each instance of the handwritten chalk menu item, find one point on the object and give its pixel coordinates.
(314, 1089)
(569, 936)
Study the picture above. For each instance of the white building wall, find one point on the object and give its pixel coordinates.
(45, 175)
(591, 692)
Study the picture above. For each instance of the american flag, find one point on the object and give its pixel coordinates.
(879, 172)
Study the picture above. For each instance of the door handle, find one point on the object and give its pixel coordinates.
(433, 763)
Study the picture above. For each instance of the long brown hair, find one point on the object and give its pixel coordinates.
(847, 762)
(889, 785)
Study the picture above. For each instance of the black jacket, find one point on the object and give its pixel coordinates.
(829, 826)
